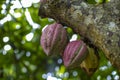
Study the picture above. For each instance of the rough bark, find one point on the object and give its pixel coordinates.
(99, 24)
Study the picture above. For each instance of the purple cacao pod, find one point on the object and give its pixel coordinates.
(54, 39)
(74, 53)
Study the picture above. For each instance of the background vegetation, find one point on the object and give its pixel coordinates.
(21, 56)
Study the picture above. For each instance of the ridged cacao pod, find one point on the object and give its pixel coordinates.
(91, 62)
(54, 39)
(74, 53)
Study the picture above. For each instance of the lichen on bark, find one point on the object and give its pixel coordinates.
(100, 24)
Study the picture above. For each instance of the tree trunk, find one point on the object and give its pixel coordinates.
(99, 24)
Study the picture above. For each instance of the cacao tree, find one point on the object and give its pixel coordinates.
(94, 24)
(97, 24)
(96, 21)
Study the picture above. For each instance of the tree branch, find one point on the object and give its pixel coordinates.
(99, 24)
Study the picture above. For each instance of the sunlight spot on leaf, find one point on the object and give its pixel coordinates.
(108, 0)
(35, 1)
(74, 37)
(44, 76)
(26, 3)
(66, 75)
(109, 77)
(7, 47)
(114, 73)
(5, 19)
(44, 27)
(35, 25)
(29, 36)
(57, 68)
(98, 1)
(8, 18)
(109, 64)
(3, 11)
(50, 19)
(23, 41)
(61, 71)
(59, 61)
(3, 6)
(103, 68)
(5, 39)
(27, 63)
(12, 11)
(28, 17)
(17, 15)
(18, 26)
(61, 75)
(33, 67)
(98, 77)
(7, 1)
(30, 21)
(28, 54)
(49, 74)
(24, 70)
(52, 78)
(75, 73)
(117, 77)
(4, 52)
(16, 4)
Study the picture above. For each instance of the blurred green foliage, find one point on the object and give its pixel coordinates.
(21, 56)
(97, 1)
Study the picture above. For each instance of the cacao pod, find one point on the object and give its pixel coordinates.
(74, 53)
(91, 62)
(54, 39)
